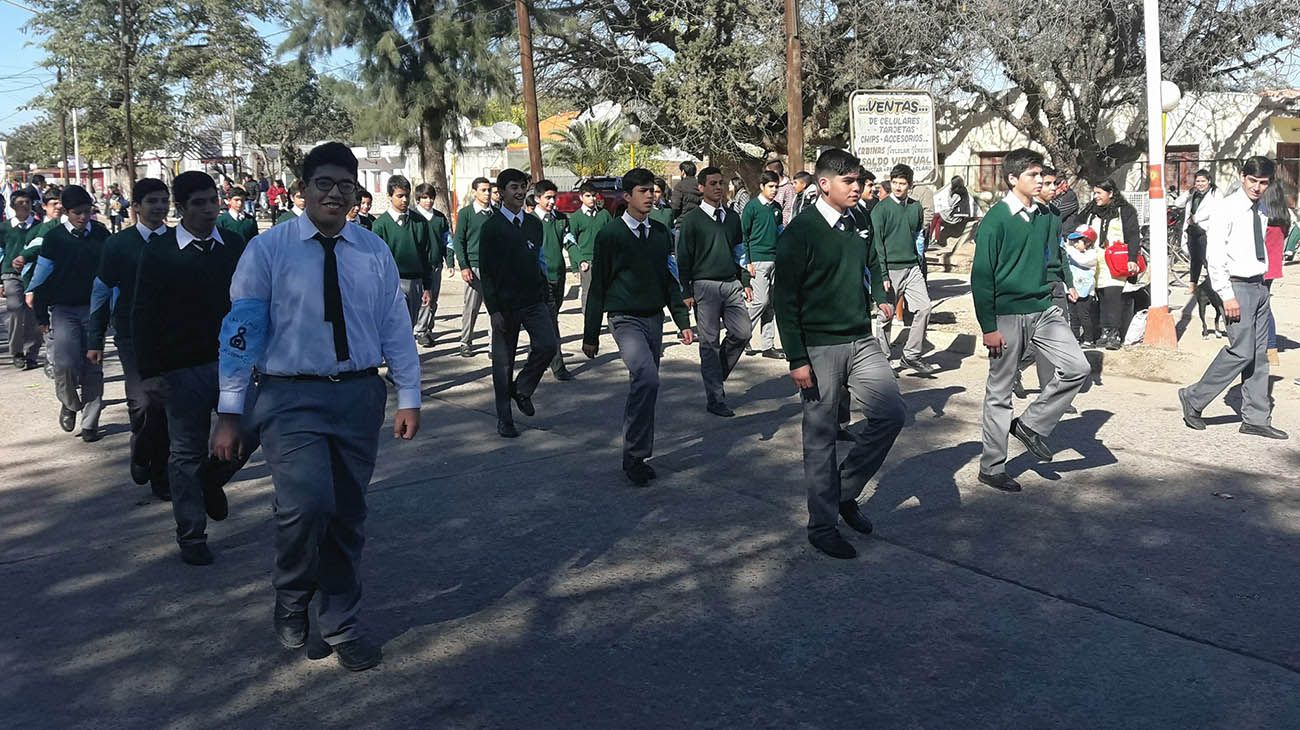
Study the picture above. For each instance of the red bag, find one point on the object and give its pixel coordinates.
(1117, 260)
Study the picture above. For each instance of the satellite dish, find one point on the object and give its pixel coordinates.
(507, 131)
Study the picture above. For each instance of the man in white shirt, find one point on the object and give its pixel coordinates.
(1237, 262)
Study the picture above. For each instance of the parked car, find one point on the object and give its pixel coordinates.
(609, 195)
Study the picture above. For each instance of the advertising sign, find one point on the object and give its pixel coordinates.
(889, 127)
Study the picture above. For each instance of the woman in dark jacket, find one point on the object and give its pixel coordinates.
(1115, 220)
(686, 192)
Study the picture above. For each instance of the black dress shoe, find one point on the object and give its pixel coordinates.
(525, 404)
(563, 375)
(506, 429)
(91, 435)
(1032, 441)
(834, 545)
(641, 465)
(139, 473)
(844, 435)
(750, 353)
(853, 517)
(20, 363)
(638, 472)
(720, 409)
(290, 627)
(1191, 416)
(197, 554)
(1018, 388)
(1001, 481)
(214, 502)
(921, 367)
(67, 419)
(773, 354)
(425, 340)
(466, 351)
(357, 655)
(32, 364)
(1266, 431)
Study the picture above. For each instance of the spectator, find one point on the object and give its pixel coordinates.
(1115, 221)
(1198, 205)
(116, 205)
(274, 192)
(957, 211)
(737, 195)
(1081, 247)
(1274, 206)
(1066, 202)
(806, 192)
(785, 192)
(686, 192)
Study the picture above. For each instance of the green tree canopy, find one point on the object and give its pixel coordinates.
(288, 107)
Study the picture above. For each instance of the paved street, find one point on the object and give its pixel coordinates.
(1145, 579)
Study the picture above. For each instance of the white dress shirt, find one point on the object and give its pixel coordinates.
(398, 218)
(1230, 243)
(709, 210)
(278, 311)
(832, 216)
(145, 232)
(635, 225)
(1020, 210)
(185, 238)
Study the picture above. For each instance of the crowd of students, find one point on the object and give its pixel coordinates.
(282, 332)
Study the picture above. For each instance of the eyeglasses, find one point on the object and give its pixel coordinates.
(325, 184)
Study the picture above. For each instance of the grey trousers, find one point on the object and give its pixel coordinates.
(24, 334)
(640, 344)
(1050, 336)
(413, 292)
(1246, 356)
(191, 398)
(720, 304)
(1046, 370)
(319, 440)
(78, 382)
(910, 284)
(543, 345)
(423, 323)
(864, 370)
(473, 302)
(557, 298)
(762, 314)
(147, 410)
(584, 286)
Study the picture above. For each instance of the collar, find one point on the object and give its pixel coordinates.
(830, 214)
(425, 214)
(1016, 206)
(31, 221)
(237, 215)
(541, 214)
(632, 223)
(307, 231)
(479, 208)
(902, 202)
(766, 200)
(513, 218)
(709, 210)
(587, 211)
(397, 217)
(185, 238)
(145, 231)
(68, 225)
(299, 211)
(1240, 199)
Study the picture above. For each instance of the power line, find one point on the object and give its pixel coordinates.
(20, 6)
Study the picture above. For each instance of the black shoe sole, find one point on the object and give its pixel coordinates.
(848, 554)
(1006, 486)
(1192, 421)
(1033, 450)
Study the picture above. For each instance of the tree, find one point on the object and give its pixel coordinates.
(589, 148)
(288, 107)
(375, 119)
(438, 61)
(162, 52)
(1065, 95)
(34, 143)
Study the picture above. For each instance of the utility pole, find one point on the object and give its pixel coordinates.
(126, 54)
(530, 92)
(63, 127)
(1160, 330)
(793, 88)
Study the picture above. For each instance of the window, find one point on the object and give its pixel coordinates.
(990, 175)
(1181, 164)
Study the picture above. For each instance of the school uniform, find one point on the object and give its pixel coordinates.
(407, 237)
(709, 274)
(469, 226)
(1013, 297)
(555, 239)
(664, 215)
(112, 301)
(585, 224)
(439, 234)
(760, 224)
(61, 282)
(896, 225)
(315, 316)
(24, 333)
(182, 293)
(516, 291)
(1060, 279)
(244, 224)
(366, 221)
(632, 282)
(288, 215)
(829, 283)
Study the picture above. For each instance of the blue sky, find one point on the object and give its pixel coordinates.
(21, 77)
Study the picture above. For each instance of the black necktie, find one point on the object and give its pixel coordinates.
(402, 219)
(204, 244)
(334, 297)
(643, 232)
(845, 221)
(1260, 254)
(717, 213)
(519, 222)
(153, 235)
(485, 213)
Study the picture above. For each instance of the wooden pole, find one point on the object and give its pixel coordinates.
(793, 88)
(530, 92)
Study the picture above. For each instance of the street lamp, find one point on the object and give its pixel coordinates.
(631, 135)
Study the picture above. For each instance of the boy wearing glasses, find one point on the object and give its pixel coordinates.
(316, 309)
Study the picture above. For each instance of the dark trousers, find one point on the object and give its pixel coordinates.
(1082, 320)
(557, 298)
(640, 344)
(1112, 307)
(543, 345)
(147, 410)
(191, 397)
(1196, 251)
(319, 439)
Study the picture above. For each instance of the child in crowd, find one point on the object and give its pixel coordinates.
(1081, 247)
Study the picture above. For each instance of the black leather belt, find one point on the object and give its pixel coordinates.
(1247, 279)
(337, 378)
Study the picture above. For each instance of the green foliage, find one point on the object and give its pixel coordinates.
(34, 143)
(376, 118)
(288, 106)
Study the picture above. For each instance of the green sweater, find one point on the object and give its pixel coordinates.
(511, 271)
(1058, 268)
(285, 217)
(117, 268)
(584, 229)
(664, 215)
(245, 227)
(14, 240)
(76, 262)
(704, 250)
(35, 238)
(554, 233)
(409, 243)
(821, 297)
(632, 277)
(760, 223)
(1009, 272)
(469, 224)
(439, 228)
(896, 227)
